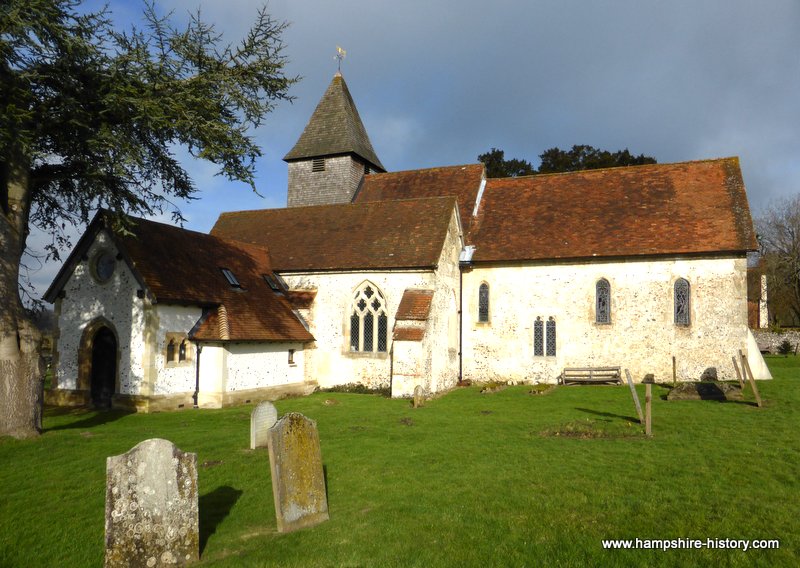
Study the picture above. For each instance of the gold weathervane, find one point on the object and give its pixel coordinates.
(340, 54)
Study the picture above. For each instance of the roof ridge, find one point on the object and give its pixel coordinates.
(357, 204)
(432, 168)
(635, 166)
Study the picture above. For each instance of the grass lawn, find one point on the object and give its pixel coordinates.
(504, 479)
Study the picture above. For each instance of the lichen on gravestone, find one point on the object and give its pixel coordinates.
(298, 480)
(151, 507)
(419, 396)
(262, 419)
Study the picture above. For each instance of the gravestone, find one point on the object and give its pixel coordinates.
(298, 481)
(151, 507)
(705, 391)
(419, 396)
(262, 419)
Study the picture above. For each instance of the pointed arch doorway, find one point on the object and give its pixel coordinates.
(104, 367)
(98, 357)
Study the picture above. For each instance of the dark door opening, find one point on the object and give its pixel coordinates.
(104, 367)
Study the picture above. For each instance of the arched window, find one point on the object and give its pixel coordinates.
(602, 306)
(171, 351)
(538, 337)
(483, 303)
(551, 337)
(369, 325)
(682, 302)
(182, 351)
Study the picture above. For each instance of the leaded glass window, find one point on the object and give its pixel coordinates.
(355, 332)
(551, 337)
(365, 335)
(182, 351)
(383, 327)
(483, 302)
(602, 312)
(538, 337)
(171, 351)
(681, 302)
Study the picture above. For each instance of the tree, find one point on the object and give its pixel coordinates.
(556, 160)
(778, 231)
(498, 166)
(588, 158)
(90, 117)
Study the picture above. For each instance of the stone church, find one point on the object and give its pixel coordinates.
(399, 279)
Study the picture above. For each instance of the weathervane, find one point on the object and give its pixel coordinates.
(340, 54)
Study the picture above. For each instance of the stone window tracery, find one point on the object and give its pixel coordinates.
(551, 337)
(538, 337)
(369, 324)
(682, 305)
(602, 301)
(483, 303)
(544, 337)
(177, 349)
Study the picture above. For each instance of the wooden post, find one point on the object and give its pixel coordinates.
(749, 373)
(674, 372)
(648, 407)
(635, 397)
(738, 373)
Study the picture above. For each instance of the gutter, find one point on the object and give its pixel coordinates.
(464, 263)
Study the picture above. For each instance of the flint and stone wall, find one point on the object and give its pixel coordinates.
(86, 300)
(329, 360)
(642, 335)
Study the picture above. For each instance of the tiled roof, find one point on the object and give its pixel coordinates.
(463, 182)
(684, 208)
(379, 235)
(183, 267)
(408, 334)
(335, 128)
(301, 299)
(414, 305)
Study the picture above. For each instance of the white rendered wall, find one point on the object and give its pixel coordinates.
(329, 360)
(115, 300)
(642, 335)
(258, 365)
(175, 377)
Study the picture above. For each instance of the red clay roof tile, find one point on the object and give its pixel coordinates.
(181, 266)
(684, 208)
(463, 182)
(414, 305)
(408, 334)
(379, 235)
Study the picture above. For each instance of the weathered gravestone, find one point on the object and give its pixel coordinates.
(298, 481)
(262, 419)
(151, 507)
(419, 396)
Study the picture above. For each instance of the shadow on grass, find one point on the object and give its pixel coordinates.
(609, 415)
(91, 418)
(213, 508)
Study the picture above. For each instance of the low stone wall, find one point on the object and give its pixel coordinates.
(771, 340)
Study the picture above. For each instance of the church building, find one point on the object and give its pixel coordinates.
(413, 278)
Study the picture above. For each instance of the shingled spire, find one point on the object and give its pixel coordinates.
(333, 152)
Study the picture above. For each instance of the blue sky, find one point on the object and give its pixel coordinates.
(439, 82)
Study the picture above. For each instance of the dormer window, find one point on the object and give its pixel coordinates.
(275, 282)
(230, 278)
(318, 165)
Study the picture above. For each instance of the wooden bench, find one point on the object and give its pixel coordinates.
(591, 375)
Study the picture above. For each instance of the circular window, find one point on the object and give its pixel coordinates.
(104, 264)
